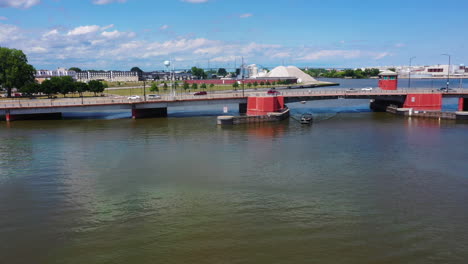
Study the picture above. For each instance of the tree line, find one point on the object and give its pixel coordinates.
(348, 73)
(62, 85)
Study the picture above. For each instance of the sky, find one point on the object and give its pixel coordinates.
(121, 34)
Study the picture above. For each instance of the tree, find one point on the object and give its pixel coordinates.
(262, 83)
(186, 86)
(249, 85)
(96, 87)
(63, 84)
(203, 86)
(198, 72)
(136, 69)
(211, 86)
(255, 84)
(194, 86)
(222, 72)
(48, 87)
(81, 87)
(75, 69)
(15, 72)
(30, 88)
(165, 86)
(154, 87)
(235, 85)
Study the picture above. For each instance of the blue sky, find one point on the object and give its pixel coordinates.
(120, 34)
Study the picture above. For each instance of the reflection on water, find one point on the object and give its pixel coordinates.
(355, 188)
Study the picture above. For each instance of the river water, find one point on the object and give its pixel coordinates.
(355, 187)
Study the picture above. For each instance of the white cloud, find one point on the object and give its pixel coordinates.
(9, 33)
(3, 18)
(400, 45)
(320, 54)
(19, 3)
(105, 2)
(117, 34)
(164, 27)
(195, 1)
(53, 32)
(381, 55)
(83, 30)
(247, 15)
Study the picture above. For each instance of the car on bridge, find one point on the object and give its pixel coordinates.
(444, 89)
(201, 93)
(133, 97)
(352, 90)
(366, 89)
(273, 91)
(154, 96)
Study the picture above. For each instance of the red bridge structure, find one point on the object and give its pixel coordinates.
(254, 103)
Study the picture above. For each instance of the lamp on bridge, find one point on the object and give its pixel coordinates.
(409, 72)
(448, 72)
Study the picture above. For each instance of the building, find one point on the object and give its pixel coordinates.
(109, 76)
(166, 75)
(42, 75)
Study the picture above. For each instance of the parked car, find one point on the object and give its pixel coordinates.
(366, 89)
(200, 93)
(352, 90)
(133, 97)
(154, 96)
(273, 91)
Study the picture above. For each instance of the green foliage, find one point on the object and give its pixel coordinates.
(349, 73)
(235, 85)
(30, 88)
(194, 86)
(81, 87)
(75, 69)
(222, 72)
(48, 87)
(154, 87)
(211, 86)
(186, 86)
(136, 69)
(203, 86)
(249, 85)
(198, 72)
(165, 86)
(15, 72)
(262, 83)
(255, 84)
(96, 86)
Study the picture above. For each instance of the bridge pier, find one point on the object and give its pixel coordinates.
(9, 117)
(257, 106)
(424, 102)
(242, 108)
(149, 112)
(462, 104)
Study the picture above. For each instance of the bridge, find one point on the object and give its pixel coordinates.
(419, 99)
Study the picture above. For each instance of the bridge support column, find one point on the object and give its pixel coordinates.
(379, 105)
(428, 102)
(9, 117)
(242, 108)
(149, 112)
(462, 104)
(257, 106)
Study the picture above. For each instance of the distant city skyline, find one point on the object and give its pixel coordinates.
(120, 34)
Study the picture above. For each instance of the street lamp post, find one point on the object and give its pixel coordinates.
(409, 72)
(448, 72)
(144, 89)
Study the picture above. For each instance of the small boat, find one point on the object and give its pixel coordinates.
(306, 119)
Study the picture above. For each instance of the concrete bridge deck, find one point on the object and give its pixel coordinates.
(43, 106)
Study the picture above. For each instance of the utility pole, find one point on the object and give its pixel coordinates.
(242, 76)
(409, 72)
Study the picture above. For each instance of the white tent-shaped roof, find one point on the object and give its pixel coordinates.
(291, 71)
